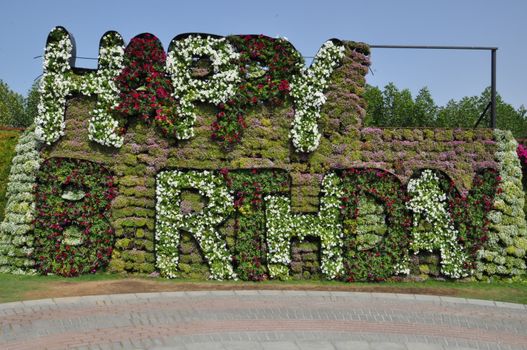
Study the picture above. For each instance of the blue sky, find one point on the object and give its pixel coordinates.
(307, 24)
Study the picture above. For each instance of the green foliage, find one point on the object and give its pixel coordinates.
(18, 288)
(503, 256)
(265, 68)
(171, 217)
(59, 81)
(8, 141)
(392, 107)
(470, 108)
(283, 225)
(424, 109)
(470, 212)
(389, 254)
(145, 89)
(31, 105)
(454, 224)
(433, 228)
(249, 187)
(15, 110)
(11, 107)
(73, 237)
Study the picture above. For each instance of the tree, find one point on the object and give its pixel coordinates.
(11, 106)
(389, 107)
(375, 110)
(465, 113)
(395, 108)
(31, 105)
(461, 114)
(425, 109)
(402, 107)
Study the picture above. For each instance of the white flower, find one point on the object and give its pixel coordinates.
(217, 89)
(16, 238)
(202, 225)
(308, 93)
(282, 226)
(58, 82)
(428, 203)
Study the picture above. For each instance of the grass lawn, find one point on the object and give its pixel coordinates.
(14, 288)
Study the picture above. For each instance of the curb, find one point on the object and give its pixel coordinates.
(248, 293)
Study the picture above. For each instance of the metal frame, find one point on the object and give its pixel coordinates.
(493, 50)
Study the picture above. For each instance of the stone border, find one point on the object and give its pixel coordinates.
(332, 294)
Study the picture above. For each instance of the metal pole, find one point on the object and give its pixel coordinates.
(435, 47)
(493, 90)
(493, 50)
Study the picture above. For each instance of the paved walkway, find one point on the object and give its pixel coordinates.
(253, 320)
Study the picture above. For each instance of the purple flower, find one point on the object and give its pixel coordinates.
(370, 130)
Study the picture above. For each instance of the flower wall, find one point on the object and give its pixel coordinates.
(522, 154)
(72, 232)
(507, 246)
(16, 230)
(227, 158)
(59, 81)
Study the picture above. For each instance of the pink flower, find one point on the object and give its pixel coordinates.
(522, 153)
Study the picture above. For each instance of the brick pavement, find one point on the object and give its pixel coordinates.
(261, 320)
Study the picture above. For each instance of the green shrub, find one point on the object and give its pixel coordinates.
(8, 140)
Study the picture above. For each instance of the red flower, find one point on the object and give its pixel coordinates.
(284, 85)
(161, 92)
(241, 121)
